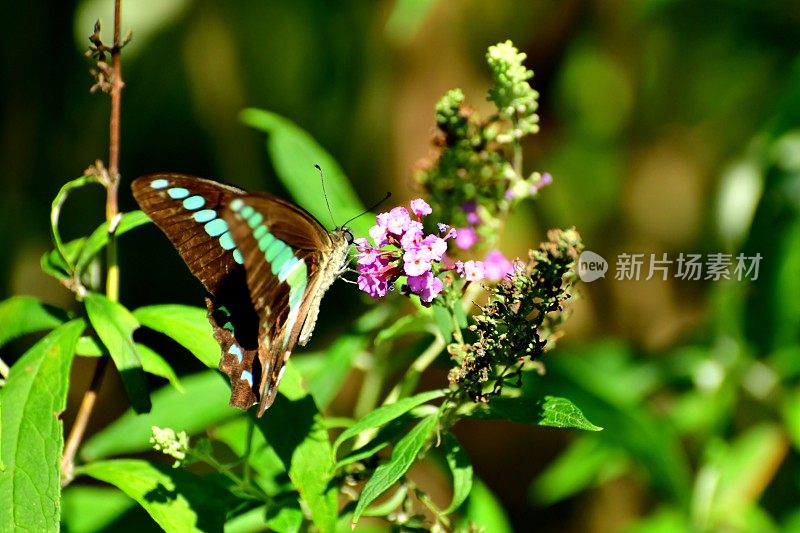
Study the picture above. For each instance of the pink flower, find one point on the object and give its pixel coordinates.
(496, 266)
(420, 207)
(373, 284)
(473, 270)
(435, 247)
(466, 238)
(397, 220)
(416, 262)
(379, 235)
(426, 285)
(401, 247)
(412, 236)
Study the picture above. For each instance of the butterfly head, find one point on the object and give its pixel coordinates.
(347, 234)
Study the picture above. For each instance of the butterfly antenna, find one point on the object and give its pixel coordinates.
(379, 202)
(325, 194)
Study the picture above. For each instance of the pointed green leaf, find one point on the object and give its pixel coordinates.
(176, 499)
(20, 315)
(386, 413)
(461, 468)
(548, 411)
(562, 413)
(403, 455)
(115, 325)
(294, 153)
(186, 325)
(296, 431)
(152, 362)
(32, 434)
(203, 403)
(388, 434)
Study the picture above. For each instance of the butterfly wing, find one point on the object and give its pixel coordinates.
(265, 262)
(290, 260)
(189, 211)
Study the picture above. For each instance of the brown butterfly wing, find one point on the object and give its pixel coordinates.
(284, 248)
(188, 210)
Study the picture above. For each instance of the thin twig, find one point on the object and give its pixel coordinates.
(112, 278)
(81, 421)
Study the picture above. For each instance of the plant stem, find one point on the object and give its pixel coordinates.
(112, 276)
(410, 380)
(373, 381)
(81, 421)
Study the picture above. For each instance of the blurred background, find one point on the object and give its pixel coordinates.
(669, 126)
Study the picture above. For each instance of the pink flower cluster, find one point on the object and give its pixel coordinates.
(402, 248)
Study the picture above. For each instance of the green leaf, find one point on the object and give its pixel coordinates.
(53, 264)
(324, 385)
(550, 411)
(461, 468)
(403, 455)
(386, 413)
(285, 517)
(176, 499)
(648, 439)
(20, 315)
(188, 326)
(441, 317)
(90, 509)
(588, 461)
(419, 322)
(562, 413)
(114, 325)
(99, 237)
(388, 434)
(153, 363)
(262, 457)
(296, 431)
(67, 258)
(294, 153)
(483, 510)
(31, 432)
(203, 403)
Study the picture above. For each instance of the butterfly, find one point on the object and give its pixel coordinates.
(265, 263)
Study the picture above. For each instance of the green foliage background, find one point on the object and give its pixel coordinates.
(669, 126)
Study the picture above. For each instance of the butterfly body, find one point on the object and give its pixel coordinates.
(265, 262)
